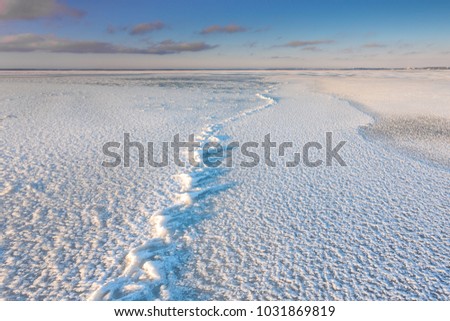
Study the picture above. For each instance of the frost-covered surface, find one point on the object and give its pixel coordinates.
(376, 229)
(412, 108)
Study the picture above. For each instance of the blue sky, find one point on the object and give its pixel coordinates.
(223, 34)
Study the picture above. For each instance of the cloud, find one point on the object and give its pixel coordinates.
(144, 28)
(348, 50)
(311, 48)
(307, 43)
(139, 29)
(281, 57)
(403, 45)
(171, 47)
(28, 10)
(374, 45)
(410, 53)
(114, 29)
(222, 29)
(32, 42)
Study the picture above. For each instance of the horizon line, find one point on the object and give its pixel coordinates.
(224, 69)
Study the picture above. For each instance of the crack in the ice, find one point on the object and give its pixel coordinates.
(149, 268)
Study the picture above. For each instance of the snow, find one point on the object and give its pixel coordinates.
(374, 229)
(411, 108)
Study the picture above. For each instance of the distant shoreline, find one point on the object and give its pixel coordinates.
(220, 69)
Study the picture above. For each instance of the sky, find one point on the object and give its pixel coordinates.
(154, 34)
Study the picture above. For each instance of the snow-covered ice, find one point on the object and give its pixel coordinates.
(377, 228)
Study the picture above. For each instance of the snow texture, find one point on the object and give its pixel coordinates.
(376, 229)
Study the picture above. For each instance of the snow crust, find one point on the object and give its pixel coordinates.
(375, 229)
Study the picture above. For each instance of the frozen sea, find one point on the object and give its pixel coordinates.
(376, 229)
